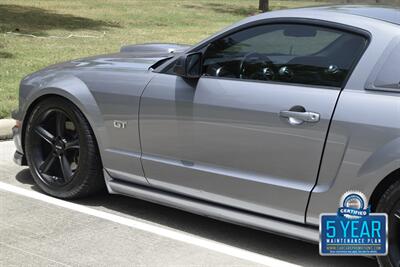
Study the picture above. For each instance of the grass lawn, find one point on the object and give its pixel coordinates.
(123, 21)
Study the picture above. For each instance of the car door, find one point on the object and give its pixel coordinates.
(250, 132)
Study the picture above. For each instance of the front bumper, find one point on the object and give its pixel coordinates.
(19, 157)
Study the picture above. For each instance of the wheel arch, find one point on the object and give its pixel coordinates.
(89, 110)
(382, 186)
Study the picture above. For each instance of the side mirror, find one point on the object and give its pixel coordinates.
(189, 65)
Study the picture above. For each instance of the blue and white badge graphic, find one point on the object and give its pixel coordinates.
(352, 205)
(353, 230)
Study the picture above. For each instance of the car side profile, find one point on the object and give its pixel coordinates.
(264, 124)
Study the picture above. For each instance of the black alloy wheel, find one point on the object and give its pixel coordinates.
(390, 204)
(57, 148)
(394, 235)
(62, 151)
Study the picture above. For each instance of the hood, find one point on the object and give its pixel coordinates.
(138, 57)
(155, 48)
(131, 57)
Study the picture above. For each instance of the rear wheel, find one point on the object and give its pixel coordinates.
(390, 204)
(61, 150)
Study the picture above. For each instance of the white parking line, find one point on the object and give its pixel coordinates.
(169, 233)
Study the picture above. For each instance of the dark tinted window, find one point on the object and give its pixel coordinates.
(301, 54)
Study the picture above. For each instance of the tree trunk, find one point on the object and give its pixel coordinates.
(263, 5)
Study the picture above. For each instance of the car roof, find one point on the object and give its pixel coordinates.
(378, 20)
(380, 12)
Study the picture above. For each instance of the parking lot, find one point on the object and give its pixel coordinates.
(119, 231)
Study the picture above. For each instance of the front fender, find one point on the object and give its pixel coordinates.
(70, 88)
(105, 95)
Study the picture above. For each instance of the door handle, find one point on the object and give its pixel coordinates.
(298, 117)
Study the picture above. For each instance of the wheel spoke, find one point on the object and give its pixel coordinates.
(45, 166)
(44, 134)
(60, 124)
(65, 167)
(72, 144)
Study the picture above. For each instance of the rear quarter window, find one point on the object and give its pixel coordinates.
(386, 76)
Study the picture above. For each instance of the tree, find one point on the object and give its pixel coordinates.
(263, 5)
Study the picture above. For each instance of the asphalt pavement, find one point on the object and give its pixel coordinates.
(111, 230)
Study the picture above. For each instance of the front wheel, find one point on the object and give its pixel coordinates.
(61, 150)
(390, 204)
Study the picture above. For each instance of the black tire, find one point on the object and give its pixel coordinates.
(64, 158)
(389, 203)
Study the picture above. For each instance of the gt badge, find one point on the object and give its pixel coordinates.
(120, 124)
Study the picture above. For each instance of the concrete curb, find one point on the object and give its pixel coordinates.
(6, 128)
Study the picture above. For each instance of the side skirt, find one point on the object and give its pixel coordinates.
(212, 210)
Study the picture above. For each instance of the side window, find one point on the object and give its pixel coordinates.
(290, 53)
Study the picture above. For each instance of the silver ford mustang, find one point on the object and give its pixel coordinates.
(265, 124)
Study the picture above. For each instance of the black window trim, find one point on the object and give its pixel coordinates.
(283, 20)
